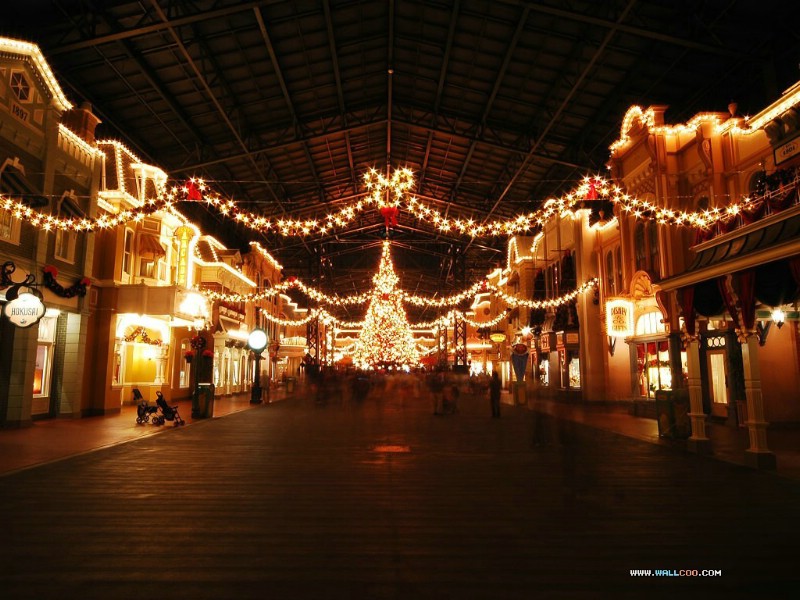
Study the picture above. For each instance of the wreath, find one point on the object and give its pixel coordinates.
(78, 288)
(141, 333)
(198, 342)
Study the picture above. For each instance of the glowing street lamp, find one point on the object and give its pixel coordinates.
(257, 341)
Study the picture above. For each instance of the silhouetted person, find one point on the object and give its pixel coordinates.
(495, 386)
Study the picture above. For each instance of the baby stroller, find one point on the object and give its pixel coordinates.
(143, 410)
(168, 413)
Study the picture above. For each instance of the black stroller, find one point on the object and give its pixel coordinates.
(168, 413)
(143, 410)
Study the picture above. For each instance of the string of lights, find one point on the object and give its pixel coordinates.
(380, 187)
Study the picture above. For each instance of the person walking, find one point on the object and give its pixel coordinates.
(494, 394)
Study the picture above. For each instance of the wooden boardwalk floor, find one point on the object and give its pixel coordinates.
(383, 500)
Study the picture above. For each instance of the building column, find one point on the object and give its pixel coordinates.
(698, 442)
(70, 393)
(757, 455)
(22, 361)
(161, 364)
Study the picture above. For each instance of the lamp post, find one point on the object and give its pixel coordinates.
(257, 341)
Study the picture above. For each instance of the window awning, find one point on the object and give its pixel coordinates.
(14, 184)
(150, 247)
(774, 238)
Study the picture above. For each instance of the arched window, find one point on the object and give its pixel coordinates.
(619, 269)
(650, 323)
(610, 274)
(640, 246)
(655, 255)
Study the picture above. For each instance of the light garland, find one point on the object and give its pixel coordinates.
(552, 302)
(591, 188)
(645, 210)
(48, 222)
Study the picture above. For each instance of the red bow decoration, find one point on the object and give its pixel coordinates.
(384, 297)
(193, 193)
(390, 215)
(292, 279)
(592, 193)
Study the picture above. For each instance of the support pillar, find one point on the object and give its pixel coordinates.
(312, 339)
(758, 454)
(441, 344)
(460, 343)
(698, 442)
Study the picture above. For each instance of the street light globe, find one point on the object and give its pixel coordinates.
(257, 340)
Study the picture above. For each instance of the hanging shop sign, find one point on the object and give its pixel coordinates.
(25, 309)
(787, 150)
(619, 317)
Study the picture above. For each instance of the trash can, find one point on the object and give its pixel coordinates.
(290, 383)
(520, 393)
(203, 405)
(672, 414)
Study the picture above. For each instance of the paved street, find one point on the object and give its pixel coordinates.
(385, 500)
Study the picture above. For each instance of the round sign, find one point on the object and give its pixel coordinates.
(24, 310)
(257, 340)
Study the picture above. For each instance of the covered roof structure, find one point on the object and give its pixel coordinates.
(495, 105)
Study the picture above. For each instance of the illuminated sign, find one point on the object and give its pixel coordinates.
(24, 310)
(619, 317)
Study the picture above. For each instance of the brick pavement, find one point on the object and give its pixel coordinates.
(385, 500)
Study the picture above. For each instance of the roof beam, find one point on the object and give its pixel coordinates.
(209, 92)
(285, 91)
(575, 86)
(488, 108)
(339, 91)
(432, 130)
(615, 26)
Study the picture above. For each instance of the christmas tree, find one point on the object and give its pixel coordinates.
(386, 339)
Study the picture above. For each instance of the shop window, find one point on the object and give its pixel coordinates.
(44, 356)
(652, 363)
(619, 269)
(544, 372)
(184, 376)
(574, 369)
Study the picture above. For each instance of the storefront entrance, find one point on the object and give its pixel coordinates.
(718, 382)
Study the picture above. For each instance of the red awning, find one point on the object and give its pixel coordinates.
(149, 246)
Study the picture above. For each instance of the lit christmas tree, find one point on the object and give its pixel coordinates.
(386, 338)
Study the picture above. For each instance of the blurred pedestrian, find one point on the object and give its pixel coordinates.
(495, 386)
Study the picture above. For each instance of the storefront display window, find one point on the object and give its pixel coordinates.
(652, 361)
(574, 370)
(544, 371)
(44, 356)
(186, 366)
